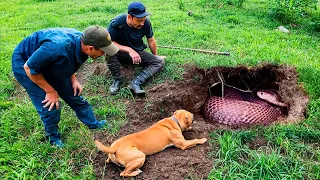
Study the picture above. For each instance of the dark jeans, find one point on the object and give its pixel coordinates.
(64, 88)
(151, 62)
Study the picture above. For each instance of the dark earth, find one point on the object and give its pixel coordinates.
(190, 93)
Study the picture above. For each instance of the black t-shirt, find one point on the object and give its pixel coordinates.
(121, 33)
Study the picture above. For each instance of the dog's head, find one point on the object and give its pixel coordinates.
(184, 117)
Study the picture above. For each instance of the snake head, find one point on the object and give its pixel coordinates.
(271, 96)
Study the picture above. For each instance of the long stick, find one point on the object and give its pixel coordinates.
(197, 50)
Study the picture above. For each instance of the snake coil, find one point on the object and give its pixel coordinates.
(240, 108)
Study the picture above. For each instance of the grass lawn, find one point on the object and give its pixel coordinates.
(248, 33)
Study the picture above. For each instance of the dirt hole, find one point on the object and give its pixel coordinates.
(190, 94)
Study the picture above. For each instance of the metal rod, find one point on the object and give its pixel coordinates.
(196, 50)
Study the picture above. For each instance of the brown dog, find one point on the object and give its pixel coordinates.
(130, 151)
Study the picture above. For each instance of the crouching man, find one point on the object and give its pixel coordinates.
(127, 31)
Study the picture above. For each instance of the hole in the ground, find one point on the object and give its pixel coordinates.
(232, 95)
(236, 100)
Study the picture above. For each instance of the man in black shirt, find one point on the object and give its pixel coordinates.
(127, 31)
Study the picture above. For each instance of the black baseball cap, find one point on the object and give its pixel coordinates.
(99, 37)
(137, 10)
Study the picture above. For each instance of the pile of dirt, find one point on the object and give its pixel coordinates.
(190, 94)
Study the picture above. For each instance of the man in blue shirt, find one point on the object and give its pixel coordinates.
(45, 64)
(127, 31)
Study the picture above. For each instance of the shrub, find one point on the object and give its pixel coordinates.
(315, 23)
(288, 11)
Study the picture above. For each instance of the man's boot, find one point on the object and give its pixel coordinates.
(114, 67)
(115, 87)
(135, 85)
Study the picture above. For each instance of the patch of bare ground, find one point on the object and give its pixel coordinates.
(190, 94)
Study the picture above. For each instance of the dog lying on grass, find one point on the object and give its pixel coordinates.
(130, 151)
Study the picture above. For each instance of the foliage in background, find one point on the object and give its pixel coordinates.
(315, 22)
(289, 11)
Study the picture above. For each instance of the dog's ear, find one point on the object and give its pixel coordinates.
(187, 120)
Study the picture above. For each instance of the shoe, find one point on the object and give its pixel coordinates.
(115, 87)
(58, 143)
(103, 125)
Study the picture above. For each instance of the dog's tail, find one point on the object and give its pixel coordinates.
(105, 149)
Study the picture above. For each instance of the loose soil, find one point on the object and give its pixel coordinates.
(190, 94)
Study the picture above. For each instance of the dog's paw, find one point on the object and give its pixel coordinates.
(202, 141)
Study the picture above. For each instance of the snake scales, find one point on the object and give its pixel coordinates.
(240, 108)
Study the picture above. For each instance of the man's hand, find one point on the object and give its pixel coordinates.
(163, 57)
(77, 88)
(51, 100)
(136, 59)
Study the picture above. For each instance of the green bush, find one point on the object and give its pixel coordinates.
(289, 11)
(315, 23)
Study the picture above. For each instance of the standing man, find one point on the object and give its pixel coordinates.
(127, 31)
(45, 64)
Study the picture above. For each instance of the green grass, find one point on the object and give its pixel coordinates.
(281, 153)
(248, 33)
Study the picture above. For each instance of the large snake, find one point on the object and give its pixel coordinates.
(240, 108)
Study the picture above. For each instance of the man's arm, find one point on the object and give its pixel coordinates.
(136, 59)
(123, 48)
(153, 45)
(52, 97)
